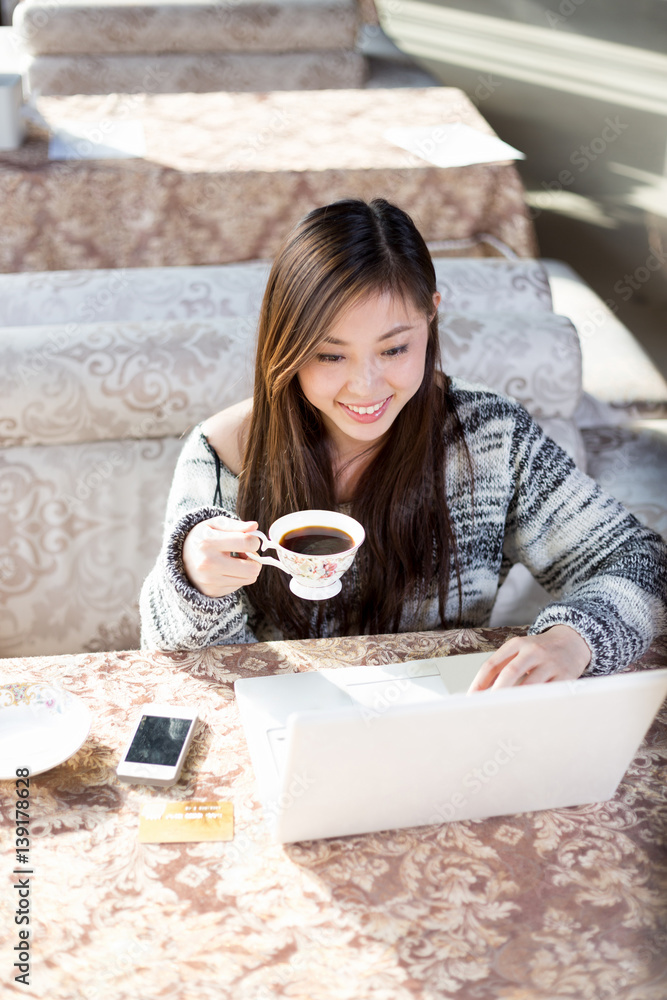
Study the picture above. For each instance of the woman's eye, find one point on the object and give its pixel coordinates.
(329, 358)
(393, 352)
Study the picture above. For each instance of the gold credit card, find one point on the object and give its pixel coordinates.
(180, 822)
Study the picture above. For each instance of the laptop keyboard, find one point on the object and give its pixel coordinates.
(383, 693)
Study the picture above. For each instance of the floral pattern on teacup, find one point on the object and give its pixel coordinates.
(314, 569)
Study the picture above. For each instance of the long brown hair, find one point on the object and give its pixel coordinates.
(335, 257)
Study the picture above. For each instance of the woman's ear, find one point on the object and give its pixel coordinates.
(437, 299)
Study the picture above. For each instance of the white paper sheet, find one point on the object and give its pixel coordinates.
(103, 140)
(452, 145)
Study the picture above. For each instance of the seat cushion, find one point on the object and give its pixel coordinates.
(102, 381)
(492, 285)
(81, 527)
(83, 27)
(534, 357)
(630, 462)
(148, 379)
(195, 72)
(210, 292)
(134, 294)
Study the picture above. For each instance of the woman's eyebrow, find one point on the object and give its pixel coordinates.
(385, 336)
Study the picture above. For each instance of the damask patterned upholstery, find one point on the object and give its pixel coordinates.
(109, 381)
(101, 372)
(80, 525)
(150, 26)
(94, 47)
(195, 72)
(135, 294)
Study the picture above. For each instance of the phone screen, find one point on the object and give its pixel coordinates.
(158, 740)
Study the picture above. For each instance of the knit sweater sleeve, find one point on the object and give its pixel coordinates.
(174, 614)
(606, 571)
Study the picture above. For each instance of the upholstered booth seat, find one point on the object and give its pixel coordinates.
(102, 372)
(97, 47)
(156, 26)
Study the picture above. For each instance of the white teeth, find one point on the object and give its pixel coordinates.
(366, 409)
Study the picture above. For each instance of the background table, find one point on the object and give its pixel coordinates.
(225, 176)
(560, 903)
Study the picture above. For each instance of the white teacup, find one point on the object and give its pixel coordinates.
(314, 577)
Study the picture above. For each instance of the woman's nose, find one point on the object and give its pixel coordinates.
(364, 377)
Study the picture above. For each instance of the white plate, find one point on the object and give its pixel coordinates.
(40, 727)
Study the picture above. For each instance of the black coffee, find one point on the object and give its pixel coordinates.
(317, 540)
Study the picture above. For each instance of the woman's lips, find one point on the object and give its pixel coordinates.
(367, 418)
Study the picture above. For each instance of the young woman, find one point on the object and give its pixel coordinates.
(452, 482)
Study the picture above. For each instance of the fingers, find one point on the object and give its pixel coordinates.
(491, 668)
(234, 568)
(214, 556)
(224, 523)
(217, 575)
(231, 541)
(559, 653)
(513, 664)
(520, 675)
(229, 535)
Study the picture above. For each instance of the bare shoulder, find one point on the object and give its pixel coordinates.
(225, 432)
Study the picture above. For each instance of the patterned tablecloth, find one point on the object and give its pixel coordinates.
(226, 175)
(562, 903)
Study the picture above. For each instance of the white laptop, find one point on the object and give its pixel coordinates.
(359, 749)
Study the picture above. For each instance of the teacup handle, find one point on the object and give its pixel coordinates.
(265, 560)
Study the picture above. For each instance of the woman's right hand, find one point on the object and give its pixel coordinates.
(208, 560)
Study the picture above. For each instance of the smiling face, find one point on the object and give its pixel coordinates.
(368, 367)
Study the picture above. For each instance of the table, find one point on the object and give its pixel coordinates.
(561, 903)
(226, 175)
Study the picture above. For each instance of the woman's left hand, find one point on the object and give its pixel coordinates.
(559, 654)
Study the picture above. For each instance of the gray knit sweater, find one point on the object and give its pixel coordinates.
(607, 573)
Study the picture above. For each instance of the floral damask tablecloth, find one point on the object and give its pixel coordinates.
(562, 903)
(225, 176)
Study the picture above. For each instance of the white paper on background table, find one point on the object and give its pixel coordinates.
(452, 145)
(105, 140)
